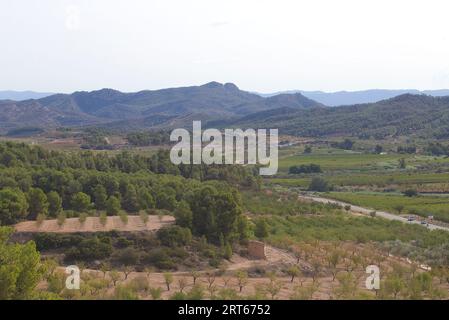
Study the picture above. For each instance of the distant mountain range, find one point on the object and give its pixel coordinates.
(341, 98)
(22, 95)
(164, 108)
(225, 105)
(331, 99)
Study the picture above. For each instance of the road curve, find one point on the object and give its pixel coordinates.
(365, 211)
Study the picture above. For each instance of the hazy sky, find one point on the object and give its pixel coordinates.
(260, 45)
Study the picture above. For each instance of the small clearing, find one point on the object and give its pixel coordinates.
(93, 224)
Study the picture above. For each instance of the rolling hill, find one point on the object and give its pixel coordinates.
(341, 98)
(405, 115)
(225, 105)
(167, 107)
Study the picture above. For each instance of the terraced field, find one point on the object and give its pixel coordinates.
(93, 224)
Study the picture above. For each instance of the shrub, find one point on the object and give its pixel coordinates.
(128, 257)
(319, 184)
(140, 284)
(311, 168)
(82, 218)
(155, 293)
(160, 258)
(61, 219)
(51, 241)
(227, 252)
(103, 219)
(410, 193)
(124, 217)
(40, 219)
(168, 278)
(347, 144)
(178, 296)
(144, 217)
(125, 292)
(89, 249)
(262, 229)
(123, 242)
(174, 236)
(196, 293)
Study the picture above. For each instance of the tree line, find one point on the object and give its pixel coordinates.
(24, 156)
(149, 138)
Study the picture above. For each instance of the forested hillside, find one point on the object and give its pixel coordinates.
(167, 107)
(406, 115)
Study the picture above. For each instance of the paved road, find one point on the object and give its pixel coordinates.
(365, 211)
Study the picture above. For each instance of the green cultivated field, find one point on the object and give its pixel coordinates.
(399, 178)
(365, 170)
(421, 205)
(344, 161)
(360, 161)
(284, 232)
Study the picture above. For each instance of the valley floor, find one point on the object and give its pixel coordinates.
(435, 225)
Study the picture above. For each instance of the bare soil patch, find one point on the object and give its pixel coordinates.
(93, 224)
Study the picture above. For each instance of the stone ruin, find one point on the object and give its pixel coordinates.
(256, 250)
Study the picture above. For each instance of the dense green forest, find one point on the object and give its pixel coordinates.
(406, 115)
(149, 138)
(35, 182)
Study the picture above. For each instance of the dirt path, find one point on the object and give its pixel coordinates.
(93, 224)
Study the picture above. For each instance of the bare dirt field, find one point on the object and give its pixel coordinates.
(93, 224)
(274, 256)
(266, 280)
(324, 286)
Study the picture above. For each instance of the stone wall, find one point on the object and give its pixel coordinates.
(256, 250)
